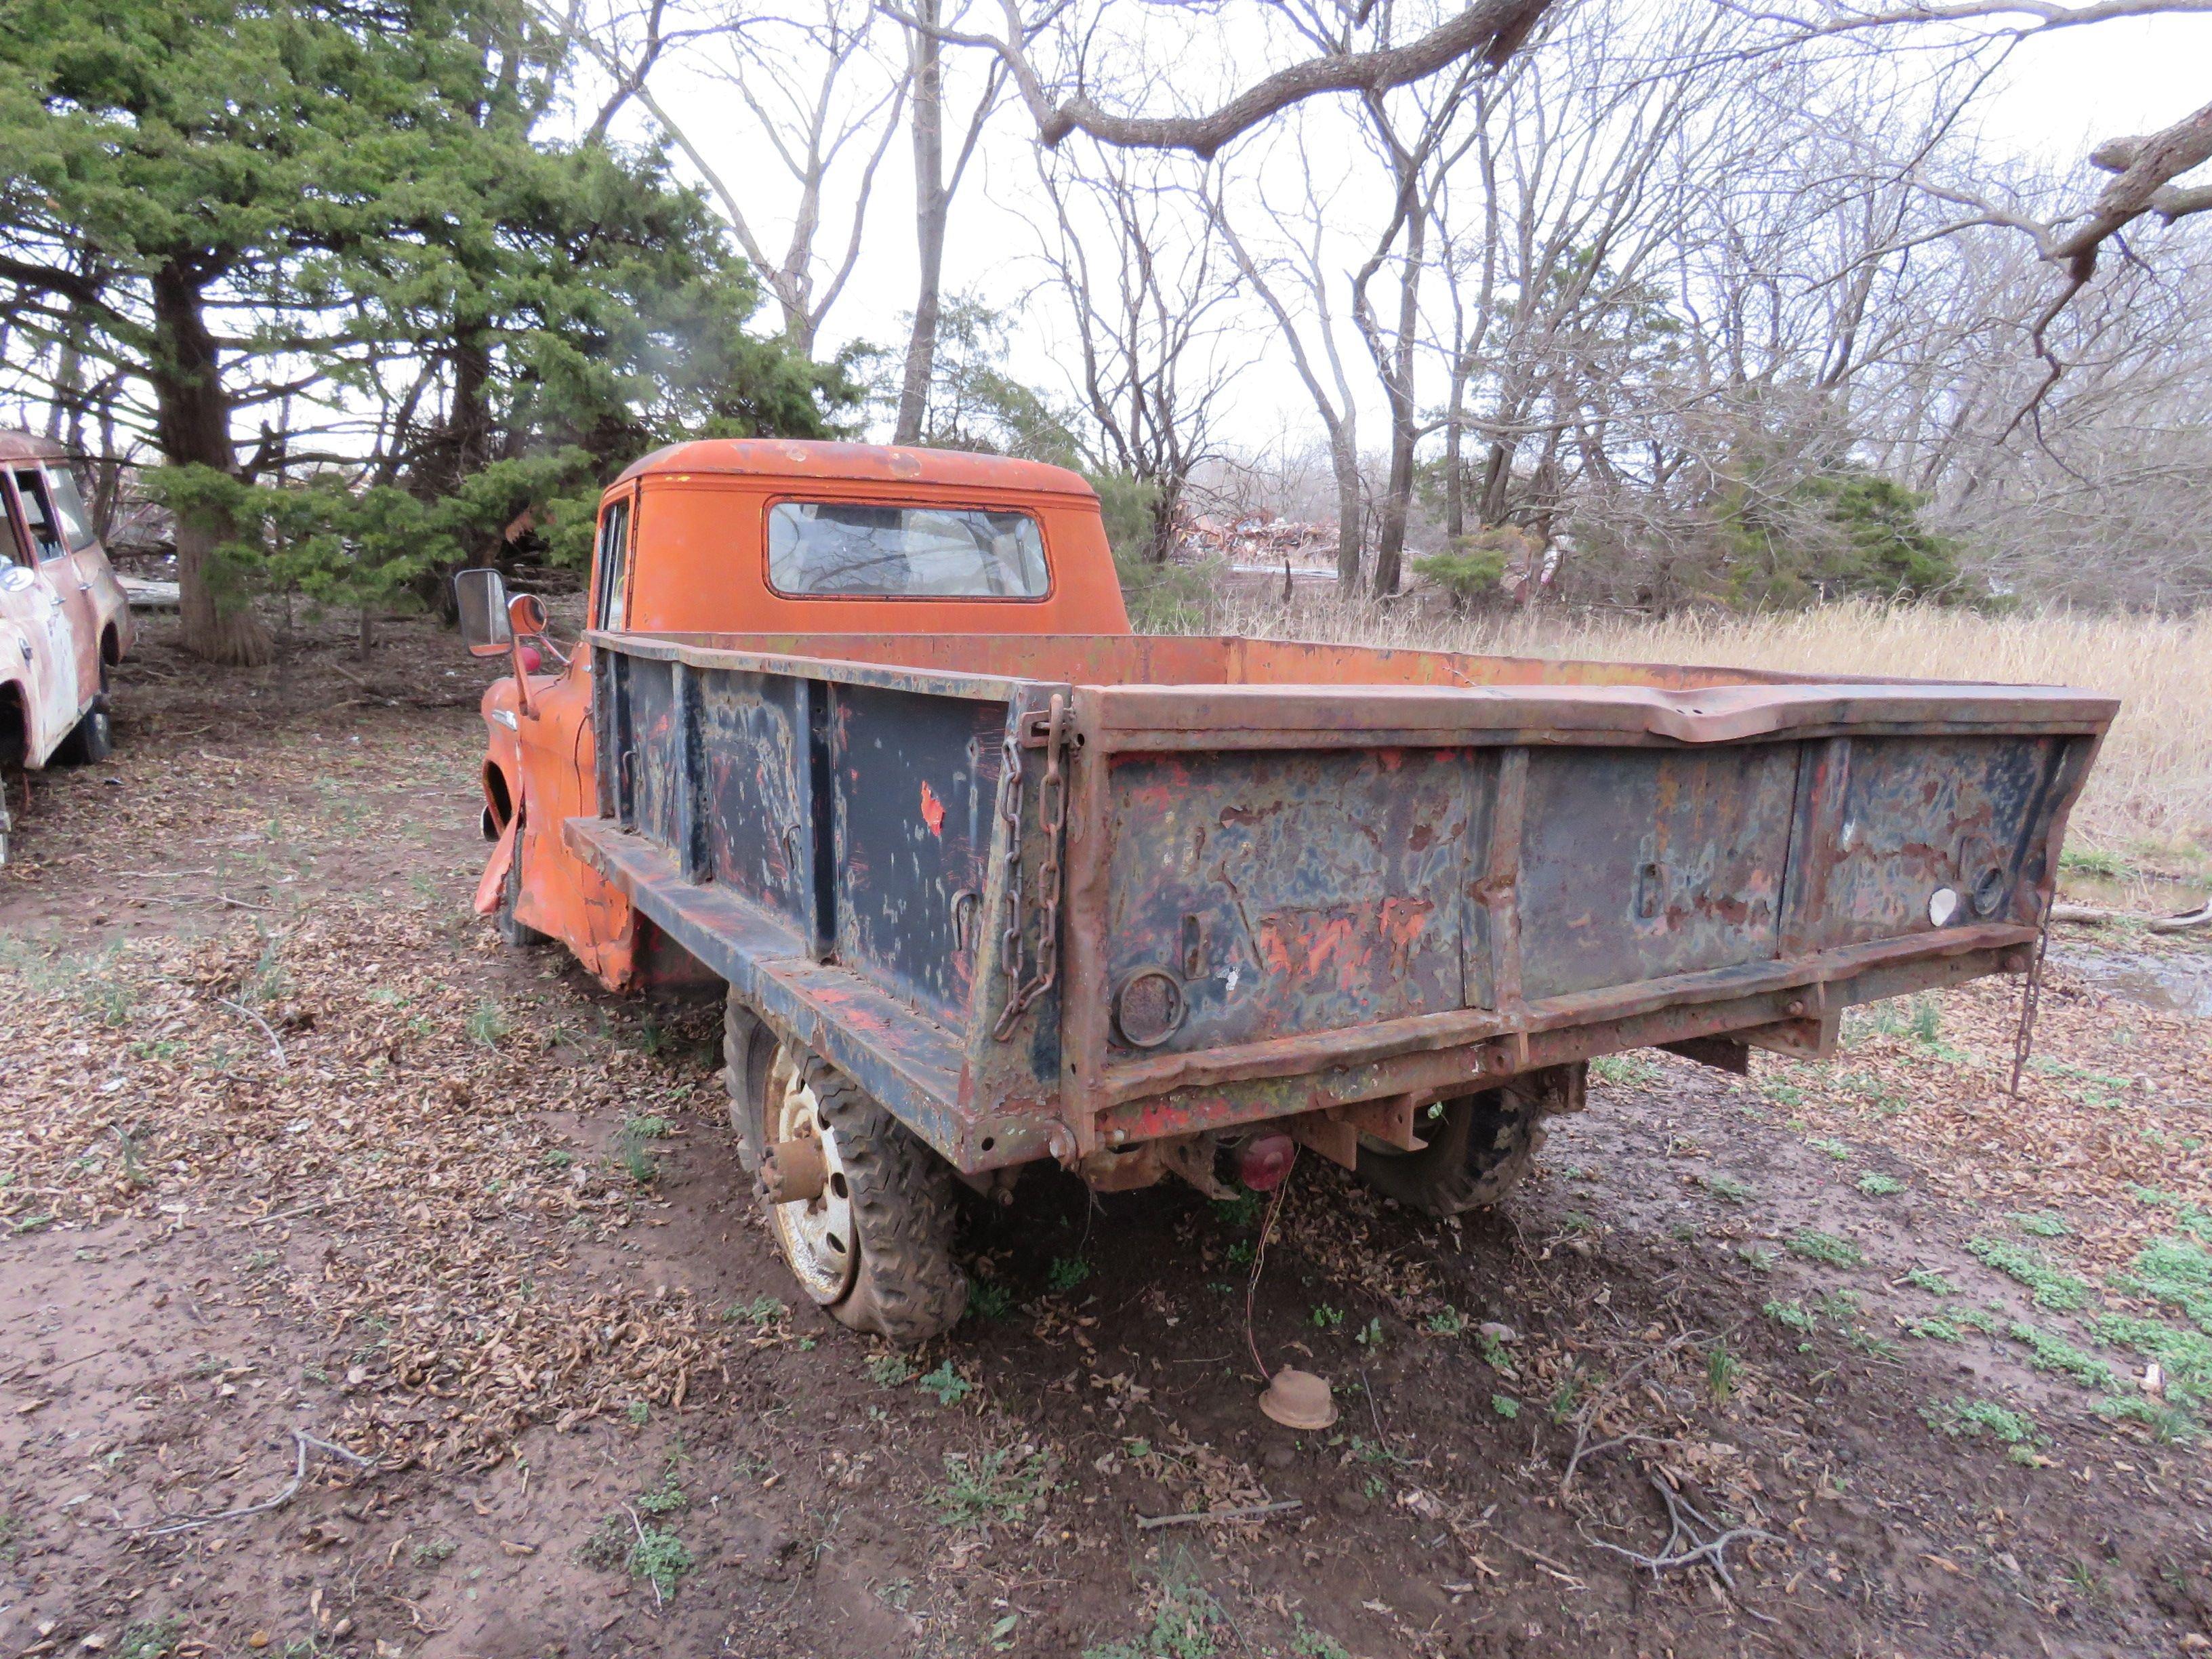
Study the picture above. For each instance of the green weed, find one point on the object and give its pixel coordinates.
(949, 1387)
(1966, 1419)
(1449, 1322)
(1722, 1370)
(2184, 1356)
(1833, 1148)
(487, 1025)
(989, 1299)
(997, 1485)
(2061, 1292)
(1370, 1336)
(2174, 1424)
(1184, 1622)
(1936, 1330)
(1506, 1406)
(2043, 1224)
(2056, 1354)
(890, 1370)
(1624, 1070)
(1795, 1314)
(1928, 1279)
(1830, 1248)
(2176, 1271)
(1757, 1257)
(1728, 1189)
(1066, 1271)
(149, 1640)
(1874, 1184)
(1326, 1318)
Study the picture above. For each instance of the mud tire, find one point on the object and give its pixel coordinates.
(748, 1054)
(514, 933)
(91, 740)
(1476, 1155)
(908, 1288)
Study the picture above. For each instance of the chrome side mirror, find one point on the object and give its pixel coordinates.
(480, 596)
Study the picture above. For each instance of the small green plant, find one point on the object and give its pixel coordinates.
(1874, 1184)
(1833, 1148)
(2043, 1224)
(151, 1640)
(1307, 1643)
(997, 1485)
(1066, 1271)
(2186, 1355)
(2172, 1424)
(1506, 1406)
(1242, 1211)
(761, 1312)
(2176, 1271)
(1936, 1330)
(559, 1157)
(2061, 1292)
(1625, 1070)
(1965, 1418)
(639, 1414)
(890, 1370)
(666, 1498)
(636, 1135)
(1928, 1279)
(659, 1558)
(1370, 1336)
(1795, 1314)
(1241, 1253)
(1448, 1323)
(1757, 1257)
(989, 1299)
(1830, 1250)
(949, 1387)
(434, 1551)
(1722, 1369)
(1728, 1189)
(487, 1025)
(1493, 1352)
(1326, 1318)
(1984, 1320)
(2056, 1354)
(2096, 861)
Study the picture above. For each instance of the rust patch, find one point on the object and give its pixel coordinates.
(932, 811)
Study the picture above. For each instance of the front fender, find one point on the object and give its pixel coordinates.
(494, 875)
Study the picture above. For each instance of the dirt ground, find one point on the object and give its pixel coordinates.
(320, 1205)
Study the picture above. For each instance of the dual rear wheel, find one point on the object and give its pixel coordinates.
(861, 1209)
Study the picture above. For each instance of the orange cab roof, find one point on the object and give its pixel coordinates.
(801, 458)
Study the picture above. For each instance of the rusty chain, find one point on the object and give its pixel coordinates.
(1022, 987)
(2031, 997)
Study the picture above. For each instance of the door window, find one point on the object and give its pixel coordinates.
(613, 564)
(847, 548)
(39, 515)
(68, 509)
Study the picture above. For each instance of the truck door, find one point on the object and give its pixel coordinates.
(52, 545)
(34, 613)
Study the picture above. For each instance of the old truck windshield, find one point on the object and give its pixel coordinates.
(832, 549)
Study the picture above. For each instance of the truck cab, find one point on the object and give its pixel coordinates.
(757, 536)
(64, 619)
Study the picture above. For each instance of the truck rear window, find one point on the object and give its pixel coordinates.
(847, 548)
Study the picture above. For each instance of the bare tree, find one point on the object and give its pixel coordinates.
(825, 101)
(1306, 326)
(1146, 283)
(934, 189)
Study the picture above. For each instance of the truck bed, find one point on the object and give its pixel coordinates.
(1301, 877)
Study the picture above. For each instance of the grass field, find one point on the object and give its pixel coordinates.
(2149, 799)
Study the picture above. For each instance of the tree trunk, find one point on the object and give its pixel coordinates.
(193, 426)
(1344, 462)
(1455, 482)
(1397, 506)
(931, 202)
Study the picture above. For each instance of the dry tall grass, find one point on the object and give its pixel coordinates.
(2150, 796)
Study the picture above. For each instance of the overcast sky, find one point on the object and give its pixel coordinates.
(2057, 98)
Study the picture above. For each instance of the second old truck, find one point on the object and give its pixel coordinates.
(862, 735)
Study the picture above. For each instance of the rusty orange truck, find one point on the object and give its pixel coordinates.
(861, 735)
(64, 620)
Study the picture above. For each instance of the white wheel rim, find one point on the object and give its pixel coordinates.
(815, 1234)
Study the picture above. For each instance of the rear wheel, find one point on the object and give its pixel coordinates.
(1478, 1149)
(870, 1238)
(93, 737)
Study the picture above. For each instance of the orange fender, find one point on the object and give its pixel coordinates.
(494, 875)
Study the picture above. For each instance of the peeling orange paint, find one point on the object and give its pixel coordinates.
(932, 811)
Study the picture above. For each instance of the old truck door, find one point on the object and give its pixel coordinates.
(54, 539)
(43, 641)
